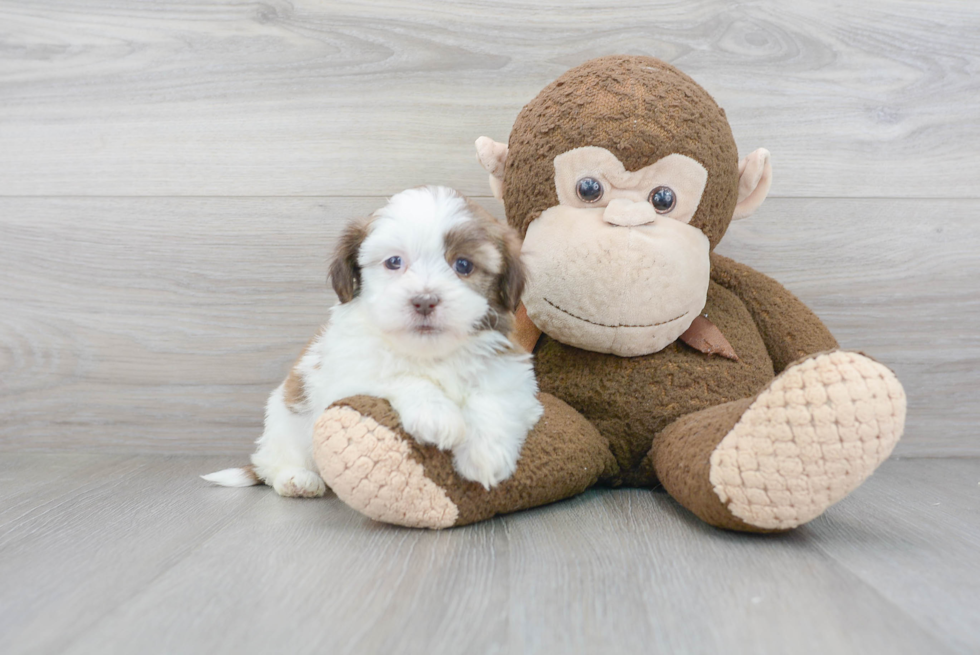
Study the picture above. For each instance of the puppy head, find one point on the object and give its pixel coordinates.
(430, 269)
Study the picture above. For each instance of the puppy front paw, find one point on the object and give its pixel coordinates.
(436, 421)
(486, 460)
(295, 482)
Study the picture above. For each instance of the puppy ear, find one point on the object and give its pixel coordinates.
(345, 272)
(512, 273)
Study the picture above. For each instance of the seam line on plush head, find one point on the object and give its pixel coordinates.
(619, 325)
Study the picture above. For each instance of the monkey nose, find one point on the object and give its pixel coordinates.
(626, 213)
(425, 303)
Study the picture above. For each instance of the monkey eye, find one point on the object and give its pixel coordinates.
(463, 266)
(393, 263)
(589, 189)
(663, 199)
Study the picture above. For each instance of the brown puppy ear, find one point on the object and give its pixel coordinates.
(345, 272)
(512, 272)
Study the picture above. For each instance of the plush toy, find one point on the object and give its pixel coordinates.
(658, 360)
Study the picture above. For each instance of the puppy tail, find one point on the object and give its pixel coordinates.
(240, 477)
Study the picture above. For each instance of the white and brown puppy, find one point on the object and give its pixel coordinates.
(428, 286)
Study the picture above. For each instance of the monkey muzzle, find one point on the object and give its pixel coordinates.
(619, 279)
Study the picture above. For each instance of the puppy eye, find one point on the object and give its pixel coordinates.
(663, 199)
(393, 263)
(463, 266)
(589, 189)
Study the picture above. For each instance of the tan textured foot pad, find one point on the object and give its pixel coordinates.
(369, 467)
(815, 434)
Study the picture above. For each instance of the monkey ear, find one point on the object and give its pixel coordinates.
(754, 180)
(492, 155)
(345, 271)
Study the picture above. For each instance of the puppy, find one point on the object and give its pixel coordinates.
(428, 286)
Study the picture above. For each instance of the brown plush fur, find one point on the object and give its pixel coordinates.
(641, 109)
(789, 328)
(681, 457)
(632, 399)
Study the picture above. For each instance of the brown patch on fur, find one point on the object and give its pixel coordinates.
(513, 275)
(249, 471)
(293, 391)
(498, 273)
(345, 272)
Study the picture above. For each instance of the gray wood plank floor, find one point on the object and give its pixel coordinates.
(104, 554)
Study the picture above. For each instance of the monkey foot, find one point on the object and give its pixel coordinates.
(376, 468)
(370, 467)
(816, 433)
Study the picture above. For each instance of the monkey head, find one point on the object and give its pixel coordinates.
(622, 175)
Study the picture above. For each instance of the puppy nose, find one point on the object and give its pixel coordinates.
(625, 213)
(425, 303)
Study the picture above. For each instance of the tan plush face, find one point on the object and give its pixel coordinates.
(620, 263)
(631, 226)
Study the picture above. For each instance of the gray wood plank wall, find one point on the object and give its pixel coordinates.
(173, 176)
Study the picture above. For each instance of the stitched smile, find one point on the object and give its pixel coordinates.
(621, 325)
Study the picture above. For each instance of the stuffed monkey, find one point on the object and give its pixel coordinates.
(659, 362)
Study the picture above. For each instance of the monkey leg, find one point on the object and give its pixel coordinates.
(369, 461)
(778, 460)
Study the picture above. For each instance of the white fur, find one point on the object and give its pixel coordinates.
(231, 478)
(453, 385)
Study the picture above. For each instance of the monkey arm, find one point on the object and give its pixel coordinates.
(789, 328)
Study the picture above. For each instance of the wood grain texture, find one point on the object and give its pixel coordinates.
(105, 97)
(156, 323)
(932, 530)
(161, 324)
(152, 560)
(94, 537)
